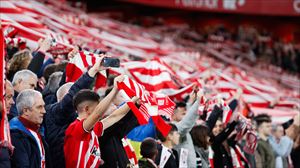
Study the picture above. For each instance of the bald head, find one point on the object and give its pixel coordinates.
(63, 90)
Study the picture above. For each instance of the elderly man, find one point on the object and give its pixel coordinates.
(24, 79)
(30, 147)
(9, 101)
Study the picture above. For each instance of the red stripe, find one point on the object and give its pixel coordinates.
(93, 60)
(128, 91)
(92, 157)
(228, 116)
(84, 150)
(161, 125)
(145, 71)
(11, 10)
(141, 119)
(131, 85)
(72, 72)
(83, 58)
(158, 87)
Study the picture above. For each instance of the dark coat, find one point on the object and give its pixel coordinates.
(59, 116)
(221, 156)
(112, 150)
(173, 161)
(4, 157)
(13, 110)
(26, 152)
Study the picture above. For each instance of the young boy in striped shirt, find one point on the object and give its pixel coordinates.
(81, 147)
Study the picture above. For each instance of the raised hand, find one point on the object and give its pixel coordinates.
(44, 45)
(72, 53)
(119, 78)
(96, 67)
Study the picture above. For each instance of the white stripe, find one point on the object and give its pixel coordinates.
(80, 152)
(136, 52)
(22, 18)
(89, 60)
(149, 65)
(225, 85)
(91, 144)
(263, 87)
(95, 162)
(250, 98)
(154, 80)
(76, 60)
(6, 4)
(280, 120)
(127, 42)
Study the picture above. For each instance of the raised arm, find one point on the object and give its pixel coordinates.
(225, 133)
(212, 119)
(117, 114)
(64, 108)
(188, 121)
(100, 109)
(283, 148)
(38, 56)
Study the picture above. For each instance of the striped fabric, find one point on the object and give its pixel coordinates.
(80, 63)
(4, 125)
(150, 105)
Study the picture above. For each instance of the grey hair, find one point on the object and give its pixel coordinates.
(26, 99)
(8, 83)
(63, 90)
(23, 75)
(53, 82)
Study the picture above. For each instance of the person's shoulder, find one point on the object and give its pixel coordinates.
(73, 126)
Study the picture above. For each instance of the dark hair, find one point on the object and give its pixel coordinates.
(85, 95)
(148, 148)
(108, 90)
(180, 104)
(51, 68)
(161, 137)
(262, 118)
(199, 135)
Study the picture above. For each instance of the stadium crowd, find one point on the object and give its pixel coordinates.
(47, 121)
(68, 125)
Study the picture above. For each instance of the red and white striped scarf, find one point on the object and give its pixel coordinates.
(211, 157)
(150, 104)
(130, 153)
(4, 129)
(80, 63)
(238, 158)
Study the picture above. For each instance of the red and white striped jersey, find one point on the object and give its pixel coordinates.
(81, 148)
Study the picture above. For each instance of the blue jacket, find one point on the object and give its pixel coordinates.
(26, 152)
(59, 116)
(143, 131)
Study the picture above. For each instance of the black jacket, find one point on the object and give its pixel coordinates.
(59, 116)
(26, 152)
(173, 161)
(49, 96)
(37, 62)
(13, 110)
(4, 157)
(221, 156)
(112, 151)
